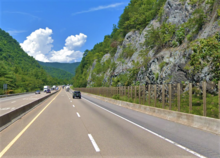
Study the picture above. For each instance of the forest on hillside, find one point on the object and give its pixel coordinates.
(69, 67)
(19, 71)
(58, 73)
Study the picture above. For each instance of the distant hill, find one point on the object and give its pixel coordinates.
(69, 67)
(57, 73)
(18, 70)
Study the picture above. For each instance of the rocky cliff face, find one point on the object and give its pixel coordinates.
(166, 65)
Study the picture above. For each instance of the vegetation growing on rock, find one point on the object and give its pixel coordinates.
(147, 29)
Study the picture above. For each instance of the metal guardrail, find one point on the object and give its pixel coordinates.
(10, 95)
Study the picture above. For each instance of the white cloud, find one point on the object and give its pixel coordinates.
(39, 45)
(15, 32)
(73, 42)
(65, 55)
(99, 8)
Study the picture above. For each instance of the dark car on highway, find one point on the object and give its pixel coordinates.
(77, 94)
(37, 92)
(48, 91)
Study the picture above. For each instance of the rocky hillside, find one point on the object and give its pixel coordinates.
(180, 44)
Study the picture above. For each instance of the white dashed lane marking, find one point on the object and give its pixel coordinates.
(94, 143)
(78, 114)
(168, 140)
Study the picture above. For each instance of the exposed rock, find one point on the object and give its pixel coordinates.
(177, 13)
(167, 65)
(105, 57)
(89, 82)
(211, 29)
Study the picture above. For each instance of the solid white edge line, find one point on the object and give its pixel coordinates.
(94, 143)
(168, 140)
(78, 114)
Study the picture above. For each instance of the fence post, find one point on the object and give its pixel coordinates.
(155, 95)
(122, 90)
(190, 97)
(219, 99)
(135, 92)
(112, 91)
(131, 93)
(204, 98)
(139, 94)
(128, 91)
(144, 94)
(178, 96)
(149, 94)
(170, 96)
(163, 95)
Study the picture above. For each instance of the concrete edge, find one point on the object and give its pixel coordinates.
(205, 123)
(11, 117)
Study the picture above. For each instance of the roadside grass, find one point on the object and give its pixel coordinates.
(197, 103)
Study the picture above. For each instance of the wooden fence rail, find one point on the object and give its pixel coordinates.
(189, 98)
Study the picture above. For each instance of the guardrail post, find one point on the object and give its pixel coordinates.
(190, 97)
(178, 96)
(204, 98)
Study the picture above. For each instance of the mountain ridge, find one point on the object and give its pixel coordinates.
(57, 73)
(21, 72)
(69, 67)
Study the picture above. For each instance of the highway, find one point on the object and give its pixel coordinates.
(8, 104)
(65, 127)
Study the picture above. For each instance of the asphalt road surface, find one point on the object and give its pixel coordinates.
(65, 127)
(8, 104)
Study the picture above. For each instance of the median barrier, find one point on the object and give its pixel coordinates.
(200, 122)
(12, 116)
(11, 95)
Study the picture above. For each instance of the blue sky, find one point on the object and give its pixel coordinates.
(61, 22)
